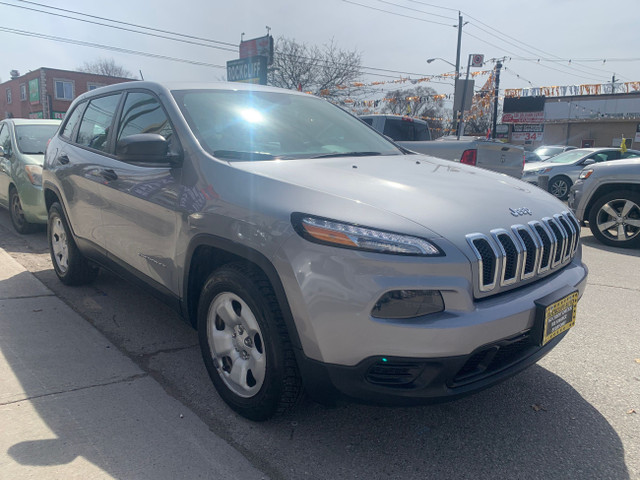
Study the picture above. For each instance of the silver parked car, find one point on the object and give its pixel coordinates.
(547, 151)
(22, 145)
(607, 196)
(307, 248)
(564, 169)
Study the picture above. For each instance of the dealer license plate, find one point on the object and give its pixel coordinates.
(559, 317)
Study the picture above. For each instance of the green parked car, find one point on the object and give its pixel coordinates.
(22, 146)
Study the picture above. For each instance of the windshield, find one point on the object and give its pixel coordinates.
(32, 139)
(548, 151)
(255, 125)
(568, 157)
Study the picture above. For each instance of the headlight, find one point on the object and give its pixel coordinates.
(542, 170)
(34, 172)
(345, 235)
(584, 174)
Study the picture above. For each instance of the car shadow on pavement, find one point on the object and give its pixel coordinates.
(590, 241)
(533, 426)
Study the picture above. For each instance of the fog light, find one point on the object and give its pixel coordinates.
(408, 304)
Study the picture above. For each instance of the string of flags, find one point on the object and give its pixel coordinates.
(413, 81)
(573, 90)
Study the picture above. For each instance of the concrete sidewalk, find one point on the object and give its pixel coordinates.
(73, 406)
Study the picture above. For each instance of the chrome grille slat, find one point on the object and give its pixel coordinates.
(506, 257)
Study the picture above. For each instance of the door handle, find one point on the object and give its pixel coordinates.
(109, 174)
(63, 159)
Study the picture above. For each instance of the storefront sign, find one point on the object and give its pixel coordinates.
(527, 132)
(248, 70)
(34, 91)
(502, 131)
(523, 117)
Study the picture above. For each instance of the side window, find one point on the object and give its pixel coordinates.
(72, 122)
(5, 140)
(142, 113)
(96, 122)
(368, 120)
(63, 89)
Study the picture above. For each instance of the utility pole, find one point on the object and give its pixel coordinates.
(456, 112)
(495, 100)
(613, 83)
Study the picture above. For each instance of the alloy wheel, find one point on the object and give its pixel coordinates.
(619, 220)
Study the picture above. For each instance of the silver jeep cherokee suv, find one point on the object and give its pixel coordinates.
(308, 249)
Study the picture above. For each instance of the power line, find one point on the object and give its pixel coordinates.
(397, 14)
(121, 28)
(416, 10)
(105, 47)
(130, 24)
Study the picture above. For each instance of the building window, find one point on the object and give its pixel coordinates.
(93, 86)
(8, 95)
(64, 90)
(23, 92)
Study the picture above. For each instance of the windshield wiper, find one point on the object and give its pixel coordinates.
(348, 154)
(238, 155)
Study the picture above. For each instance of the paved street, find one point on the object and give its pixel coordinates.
(146, 408)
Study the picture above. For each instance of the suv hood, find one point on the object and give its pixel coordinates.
(446, 197)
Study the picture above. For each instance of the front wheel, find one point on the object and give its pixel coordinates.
(19, 221)
(245, 345)
(614, 219)
(69, 264)
(559, 187)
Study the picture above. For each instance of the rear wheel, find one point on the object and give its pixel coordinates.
(559, 187)
(20, 223)
(614, 219)
(71, 267)
(245, 345)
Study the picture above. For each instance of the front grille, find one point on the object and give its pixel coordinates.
(506, 258)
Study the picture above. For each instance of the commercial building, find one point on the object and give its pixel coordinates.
(581, 115)
(47, 92)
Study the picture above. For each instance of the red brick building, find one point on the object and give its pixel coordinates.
(47, 92)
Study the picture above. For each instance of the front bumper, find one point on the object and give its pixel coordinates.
(32, 200)
(415, 381)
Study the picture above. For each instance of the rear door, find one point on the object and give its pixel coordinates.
(79, 165)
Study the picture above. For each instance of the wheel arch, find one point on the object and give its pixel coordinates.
(207, 253)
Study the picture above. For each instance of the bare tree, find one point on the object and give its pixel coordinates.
(422, 102)
(107, 67)
(328, 71)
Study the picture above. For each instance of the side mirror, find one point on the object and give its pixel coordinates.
(145, 148)
(3, 153)
(588, 161)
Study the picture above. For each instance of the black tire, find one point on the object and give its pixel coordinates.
(20, 223)
(245, 345)
(71, 267)
(559, 187)
(614, 219)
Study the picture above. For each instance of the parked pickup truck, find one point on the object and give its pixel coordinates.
(413, 134)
